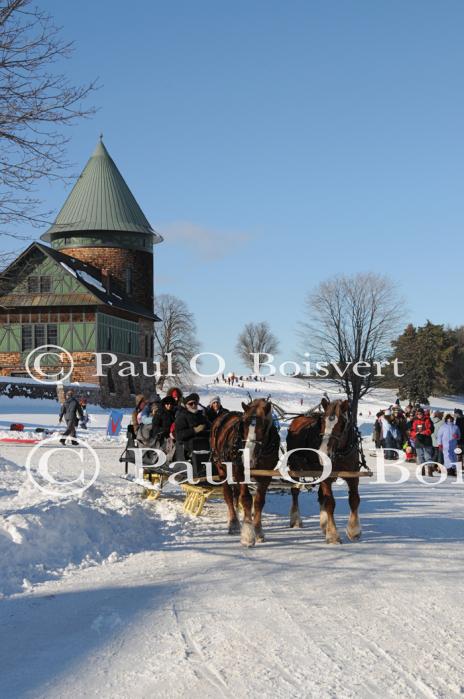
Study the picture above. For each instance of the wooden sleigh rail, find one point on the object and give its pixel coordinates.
(197, 494)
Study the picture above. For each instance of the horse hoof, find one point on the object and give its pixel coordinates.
(260, 536)
(297, 524)
(234, 527)
(353, 536)
(333, 540)
(248, 536)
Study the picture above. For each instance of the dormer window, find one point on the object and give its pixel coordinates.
(45, 285)
(36, 284)
(33, 285)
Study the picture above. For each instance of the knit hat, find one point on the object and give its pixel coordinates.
(175, 391)
(168, 400)
(192, 397)
(138, 399)
(216, 399)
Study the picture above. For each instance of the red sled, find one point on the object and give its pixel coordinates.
(16, 427)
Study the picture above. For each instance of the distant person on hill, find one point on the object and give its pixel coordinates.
(71, 411)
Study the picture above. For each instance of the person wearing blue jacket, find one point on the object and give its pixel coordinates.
(448, 437)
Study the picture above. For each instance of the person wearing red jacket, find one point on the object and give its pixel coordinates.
(421, 433)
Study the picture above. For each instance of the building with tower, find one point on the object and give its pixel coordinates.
(88, 288)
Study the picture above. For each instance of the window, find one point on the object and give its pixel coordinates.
(26, 340)
(33, 285)
(39, 284)
(52, 334)
(38, 335)
(45, 285)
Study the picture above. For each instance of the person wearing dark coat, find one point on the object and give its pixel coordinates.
(459, 422)
(163, 419)
(191, 424)
(72, 412)
(215, 409)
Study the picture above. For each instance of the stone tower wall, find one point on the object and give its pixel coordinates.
(116, 261)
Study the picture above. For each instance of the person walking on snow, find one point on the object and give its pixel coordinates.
(71, 411)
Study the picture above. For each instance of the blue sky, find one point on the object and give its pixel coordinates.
(276, 144)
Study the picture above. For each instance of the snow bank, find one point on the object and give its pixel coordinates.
(43, 538)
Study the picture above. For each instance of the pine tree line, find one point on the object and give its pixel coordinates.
(432, 359)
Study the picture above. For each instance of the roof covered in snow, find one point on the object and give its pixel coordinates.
(88, 276)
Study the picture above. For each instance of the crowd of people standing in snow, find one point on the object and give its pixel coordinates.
(425, 436)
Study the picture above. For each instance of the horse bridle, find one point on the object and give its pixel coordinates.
(257, 442)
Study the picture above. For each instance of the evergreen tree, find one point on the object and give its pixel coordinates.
(405, 351)
(455, 366)
(425, 353)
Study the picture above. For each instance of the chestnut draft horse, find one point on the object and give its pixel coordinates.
(252, 430)
(334, 433)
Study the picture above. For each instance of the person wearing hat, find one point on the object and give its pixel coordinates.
(71, 411)
(190, 424)
(377, 432)
(459, 422)
(140, 403)
(176, 393)
(421, 433)
(163, 419)
(437, 421)
(215, 409)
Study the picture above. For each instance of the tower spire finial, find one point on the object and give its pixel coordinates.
(101, 135)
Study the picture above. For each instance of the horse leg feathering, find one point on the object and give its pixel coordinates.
(327, 504)
(295, 518)
(353, 529)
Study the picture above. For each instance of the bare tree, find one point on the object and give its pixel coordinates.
(36, 101)
(255, 338)
(352, 319)
(175, 334)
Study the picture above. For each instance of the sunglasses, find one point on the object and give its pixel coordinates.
(192, 402)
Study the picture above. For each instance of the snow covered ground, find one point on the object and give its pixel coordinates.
(110, 595)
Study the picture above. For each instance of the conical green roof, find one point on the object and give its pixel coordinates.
(101, 201)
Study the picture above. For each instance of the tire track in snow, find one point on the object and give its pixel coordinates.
(202, 668)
